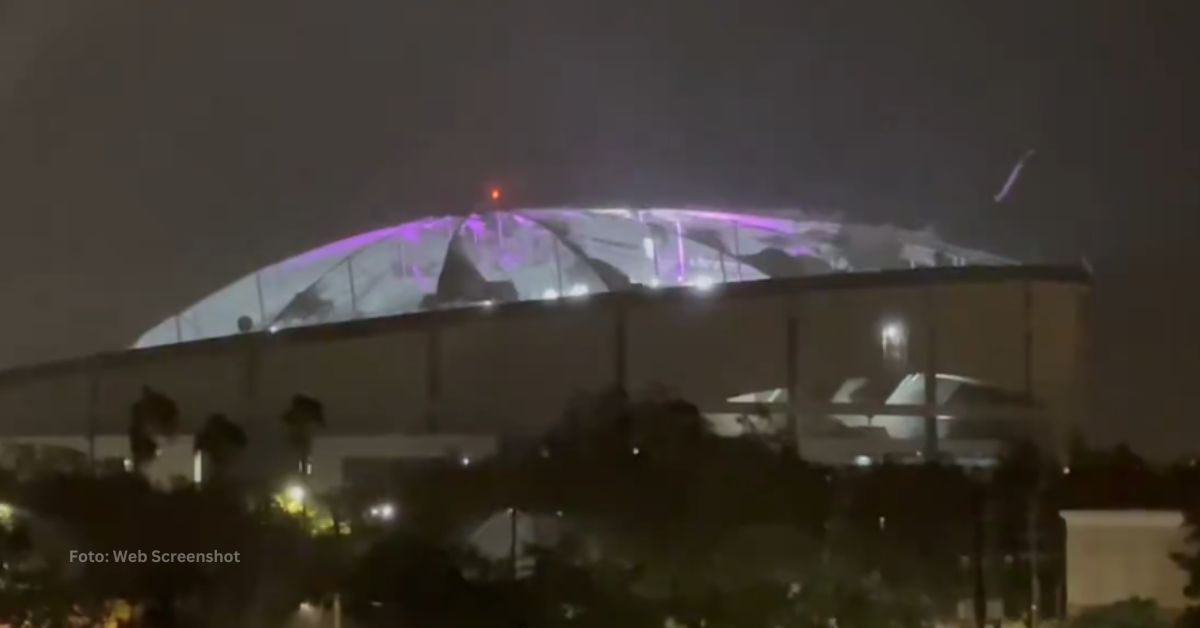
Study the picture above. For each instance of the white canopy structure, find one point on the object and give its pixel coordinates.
(531, 254)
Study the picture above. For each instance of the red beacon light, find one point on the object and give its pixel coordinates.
(494, 194)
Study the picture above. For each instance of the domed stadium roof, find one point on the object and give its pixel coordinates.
(519, 255)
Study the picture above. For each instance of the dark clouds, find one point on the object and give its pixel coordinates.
(150, 152)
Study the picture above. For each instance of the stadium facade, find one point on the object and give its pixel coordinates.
(436, 337)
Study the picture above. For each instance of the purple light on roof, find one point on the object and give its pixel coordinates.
(766, 223)
(410, 231)
(510, 261)
(476, 225)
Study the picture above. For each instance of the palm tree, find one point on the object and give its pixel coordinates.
(301, 419)
(152, 416)
(220, 441)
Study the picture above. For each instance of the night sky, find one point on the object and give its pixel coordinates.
(151, 152)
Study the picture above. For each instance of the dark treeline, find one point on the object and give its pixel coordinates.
(658, 523)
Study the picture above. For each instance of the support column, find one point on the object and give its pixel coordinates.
(737, 249)
(433, 381)
(250, 382)
(93, 410)
(262, 304)
(620, 349)
(353, 290)
(1027, 337)
(791, 372)
(558, 279)
(931, 435)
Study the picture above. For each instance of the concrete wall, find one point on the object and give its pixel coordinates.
(512, 368)
(1114, 555)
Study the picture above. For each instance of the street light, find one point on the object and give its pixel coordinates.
(296, 493)
(383, 511)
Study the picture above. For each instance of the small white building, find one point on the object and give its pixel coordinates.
(1115, 555)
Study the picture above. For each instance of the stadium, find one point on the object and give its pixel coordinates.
(446, 335)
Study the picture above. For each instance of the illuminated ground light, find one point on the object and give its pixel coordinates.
(385, 511)
(295, 493)
(578, 290)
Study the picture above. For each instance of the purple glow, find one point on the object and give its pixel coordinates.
(410, 231)
(410, 254)
(766, 223)
(511, 261)
(477, 227)
(423, 282)
(415, 230)
(783, 226)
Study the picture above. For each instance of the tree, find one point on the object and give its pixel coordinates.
(153, 416)
(303, 417)
(404, 580)
(220, 441)
(277, 563)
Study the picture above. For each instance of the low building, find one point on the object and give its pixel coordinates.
(1115, 555)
